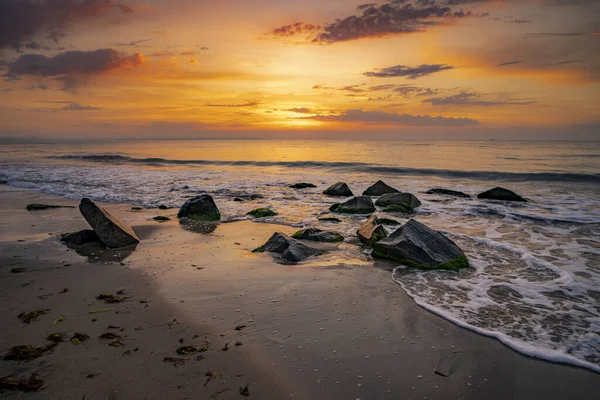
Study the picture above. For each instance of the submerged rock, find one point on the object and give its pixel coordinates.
(398, 202)
(330, 219)
(447, 192)
(200, 208)
(302, 185)
(288, 248)
(318, 235)
(339, 189)
(499, 193)
(388, 221)
(80, 238)
(371, 231)
(112, 232)
(36, 207)
(416, 245)
(356, 205)
(262, 213)
(379, 189)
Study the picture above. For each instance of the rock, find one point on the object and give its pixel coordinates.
(388, 221)
(288, 248)
(447, 192)
(416, 245)
(237, 199)
(379, 189)
(302, 185)
(79, 238)
(262, 213)
(37, 207)
(330, 219)
(499, 193)
(356, 205)
(200, 208)
(112, 232)
(318, 235)
(398, 202)
(339, 189)
(163, 207)
(371, 231)
(161, 218)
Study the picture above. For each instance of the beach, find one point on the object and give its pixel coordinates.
(334, 327)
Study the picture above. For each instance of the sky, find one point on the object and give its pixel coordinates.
(302, 69)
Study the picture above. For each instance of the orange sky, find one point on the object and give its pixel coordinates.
(297, 69)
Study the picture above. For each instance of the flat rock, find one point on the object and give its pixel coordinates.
(399, 202)
(262, 213)
(302, 185)
(200, 208)
(371, 231)
(318, 235)
(499, 193)
(112, 232)
(416, 245)
(379, 189)
(36, 207)
(356, 205)
(289, 249)
(339, 189)
(447, 192)
(80, 238)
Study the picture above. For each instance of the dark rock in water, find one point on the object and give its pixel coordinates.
(499, 193)
(388, 221)
(3, 182)
(262, 213)
(238, 199)
(288, 248)
(417, 245)
(112, 232)
(379, 189)
(330, 219)
(36, 207)
(161, 218)
(318, 235)
(447, 192)
(356, 205)
(80, 238)
(339, 189)
(371, 231)
(200, 208)
(398, 202)
(246, 197)
(163, 207)
(302, 185)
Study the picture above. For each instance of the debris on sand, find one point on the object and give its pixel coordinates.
(161, 218)
(30, 384)
(238, 343)
(225, 347)
(27, 352)
(110, 336)
(57, 320)
(65, 290)
(111, 298)
(55, 337)
(116, 343)
(101, 311)
(18, 270)
(29, 317)
(210, 376)
(245, 390)
(175, 361)
(79, 338)
(239, 327)
(191, 350)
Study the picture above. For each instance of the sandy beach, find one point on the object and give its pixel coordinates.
(334, 327)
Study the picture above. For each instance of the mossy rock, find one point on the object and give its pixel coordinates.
(161, 218)
(200, 208)
(262, 213)
(302, 185)
(260, 249)
(318, 235)
(388, 221)
(452, 265)
(397, 208)
(136, 208)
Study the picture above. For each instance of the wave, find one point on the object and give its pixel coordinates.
(352, 166)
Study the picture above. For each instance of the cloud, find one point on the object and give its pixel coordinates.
(23, 20)
(70, 66)
(383, 118)
(560, 34)
(302, 110)
(471, 99)
(505, 64)
(394, 17)
(135, 43)
(247, 104)
(68, 106)
(409, 72)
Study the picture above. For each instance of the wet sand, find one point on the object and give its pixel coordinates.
(336, 327)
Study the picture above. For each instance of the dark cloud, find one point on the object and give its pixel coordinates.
(507, 63)
(556, 64)
(383, 118)
(40, 87)
(68, 106)
(409, 72)
(471, 99)
(23, 20)
(247, 104)
(391, 18)
(520, 21)
(71, 65)
(135, 43)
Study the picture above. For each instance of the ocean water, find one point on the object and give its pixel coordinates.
(535, 284)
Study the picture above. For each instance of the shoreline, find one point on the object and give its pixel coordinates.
(331, 328)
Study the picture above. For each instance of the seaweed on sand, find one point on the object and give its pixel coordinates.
(30, 316)
(27, 352)
(31, 384)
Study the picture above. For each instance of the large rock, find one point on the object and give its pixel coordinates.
(499, 193)
(318, 235)
(417, 245)
(339, 189)
(356, 205)
(289, 249)
(398, 202)
(302, 185)
(112, 232)
(80, 238)
(447, 192)
(371, 231)
(379, 189)
(200, 208)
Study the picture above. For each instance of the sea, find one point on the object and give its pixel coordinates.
(535, 277)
